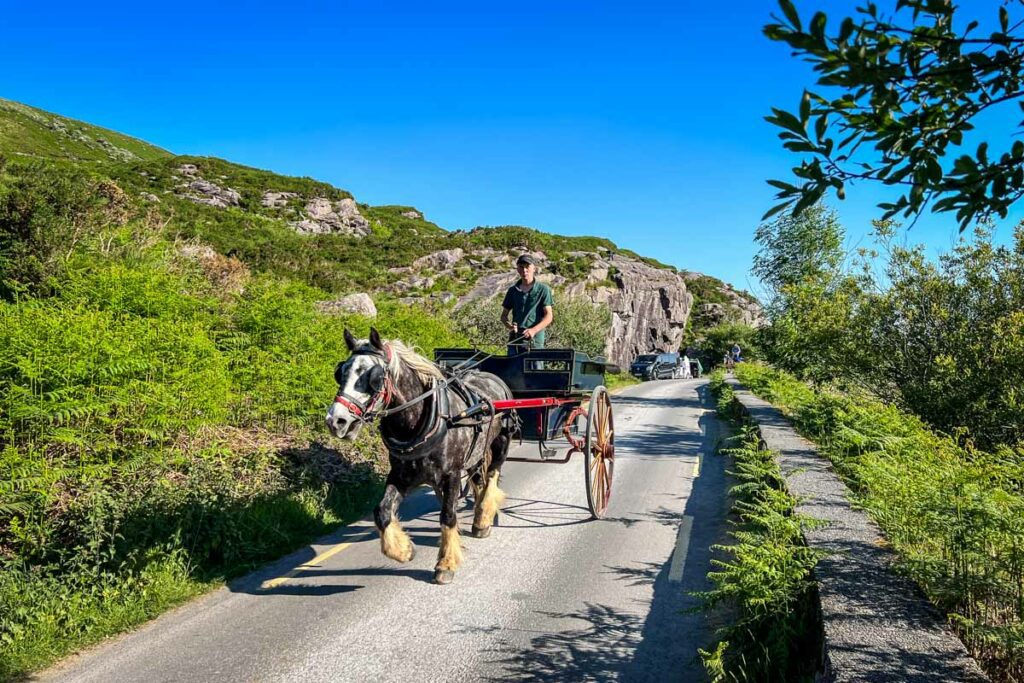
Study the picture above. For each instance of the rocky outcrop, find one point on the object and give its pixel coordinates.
(332, 218)
(650, 306)
(360, 304)
(203, 191)
(197, 189)
(412, 213)
(440, 260)
(277, 200)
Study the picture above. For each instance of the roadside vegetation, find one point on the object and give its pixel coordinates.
(952, 512)
(766, 584)
(907, 369)
(160, 413)
(907, 372)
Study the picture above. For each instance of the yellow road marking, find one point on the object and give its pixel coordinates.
(274, 583)
(696, 467)
(675, 572)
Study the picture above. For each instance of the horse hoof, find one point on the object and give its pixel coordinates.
(443, 576)
(481, 533)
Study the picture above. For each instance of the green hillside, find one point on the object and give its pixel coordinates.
(27, 131)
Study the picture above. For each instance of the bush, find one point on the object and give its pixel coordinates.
(45, 211)
(719, 340)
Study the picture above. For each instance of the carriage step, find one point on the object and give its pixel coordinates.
(548, 453)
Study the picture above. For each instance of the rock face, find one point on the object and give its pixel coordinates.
(353, 303)
(739, 307)
(197, 189)
(412, 214)
(650, 306)
(338, 218)
(277, 200)
(204, 192)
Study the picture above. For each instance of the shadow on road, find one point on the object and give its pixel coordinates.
(604, 643)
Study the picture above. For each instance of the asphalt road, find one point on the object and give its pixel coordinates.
(551, 595)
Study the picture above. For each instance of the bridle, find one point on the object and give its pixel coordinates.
(366, 412)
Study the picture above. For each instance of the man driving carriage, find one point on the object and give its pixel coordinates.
(529, 303)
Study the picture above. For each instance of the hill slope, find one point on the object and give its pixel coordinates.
(318, 234)
(32, 132)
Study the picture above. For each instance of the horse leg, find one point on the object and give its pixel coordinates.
(394, 541)
(489, 503)
(449, 555)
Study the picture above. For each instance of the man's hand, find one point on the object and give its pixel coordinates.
(528, 333)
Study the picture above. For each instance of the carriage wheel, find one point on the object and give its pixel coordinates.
(599, 452)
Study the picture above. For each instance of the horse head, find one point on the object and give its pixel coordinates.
(363, 385)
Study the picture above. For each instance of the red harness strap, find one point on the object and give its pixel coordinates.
(382, 396)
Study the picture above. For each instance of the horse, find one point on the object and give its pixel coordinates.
(427, 443)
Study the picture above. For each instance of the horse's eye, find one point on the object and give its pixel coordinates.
(376, 378)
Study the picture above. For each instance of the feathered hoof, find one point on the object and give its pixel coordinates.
(443, 576)
(396, 544)
(478, 532)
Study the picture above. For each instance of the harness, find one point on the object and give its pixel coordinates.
(437, 417)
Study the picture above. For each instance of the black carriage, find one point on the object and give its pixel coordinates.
(558, 393)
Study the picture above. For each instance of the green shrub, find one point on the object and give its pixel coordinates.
(45, 211)
(767, 582)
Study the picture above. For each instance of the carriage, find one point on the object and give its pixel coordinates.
(557, 394)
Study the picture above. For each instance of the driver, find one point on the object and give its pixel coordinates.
(529, 303)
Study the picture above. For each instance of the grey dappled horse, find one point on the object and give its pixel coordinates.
(425, 445)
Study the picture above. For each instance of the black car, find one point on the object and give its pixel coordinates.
(656, 366)
(642, 364)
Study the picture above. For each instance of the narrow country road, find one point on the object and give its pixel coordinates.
(550, 595)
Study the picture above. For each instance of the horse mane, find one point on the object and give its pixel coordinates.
(424, 368)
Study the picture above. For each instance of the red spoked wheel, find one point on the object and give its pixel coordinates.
(599, 452)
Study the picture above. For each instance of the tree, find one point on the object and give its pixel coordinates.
(908, 91)
(796, 248)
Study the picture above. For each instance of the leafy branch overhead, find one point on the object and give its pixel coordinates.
(904, 89)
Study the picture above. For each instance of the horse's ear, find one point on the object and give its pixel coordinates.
(375, 339)
(350, 341)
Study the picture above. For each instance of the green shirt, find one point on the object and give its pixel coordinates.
(528, 307)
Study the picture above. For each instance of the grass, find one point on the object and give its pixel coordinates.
(29, 131)
(953, 513)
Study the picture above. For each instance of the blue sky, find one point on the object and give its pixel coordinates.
(641, 122)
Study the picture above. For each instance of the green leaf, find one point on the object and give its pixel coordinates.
(775, 209)
(846, 29)
(818, 27)
(790, 11)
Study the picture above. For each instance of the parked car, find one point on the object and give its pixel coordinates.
(641, 365)
(658, 366)
(665, 366)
